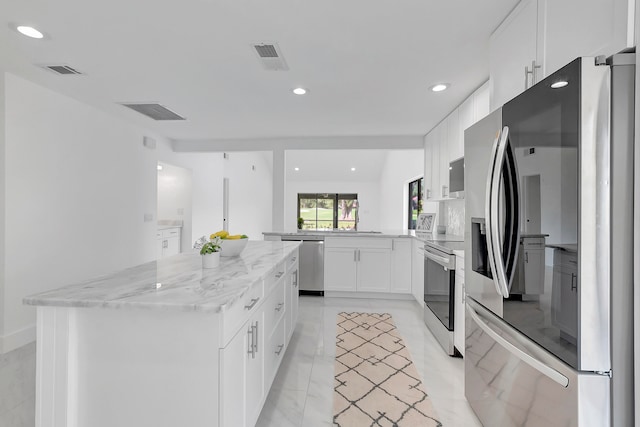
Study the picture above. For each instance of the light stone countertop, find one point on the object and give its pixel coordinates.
(174, 283)
(431, 237)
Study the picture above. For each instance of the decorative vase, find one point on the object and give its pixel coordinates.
(211, 260)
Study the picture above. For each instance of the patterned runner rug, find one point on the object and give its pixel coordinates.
(376, 383)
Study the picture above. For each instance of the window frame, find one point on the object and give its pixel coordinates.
(335, 197)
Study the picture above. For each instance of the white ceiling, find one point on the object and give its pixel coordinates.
(367, 63)
(335, 165)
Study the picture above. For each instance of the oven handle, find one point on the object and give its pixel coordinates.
(526, 358)
(491, 222)
(443, 261)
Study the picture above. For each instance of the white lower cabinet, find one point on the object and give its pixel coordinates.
(458, 314)
(359, 264)
(417, 271)
(401, 262)
(564, 294)
(250, 360)
(168, 242)
(242, 375)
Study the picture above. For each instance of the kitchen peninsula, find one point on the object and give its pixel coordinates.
(167, 343)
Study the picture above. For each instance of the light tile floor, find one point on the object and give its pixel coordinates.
(302, 392)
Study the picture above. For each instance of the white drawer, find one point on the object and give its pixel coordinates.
(274, 307)
(357, 242)
(232, 317)
(292, 261)
(170, 232)
(276, 275)
(275, 347)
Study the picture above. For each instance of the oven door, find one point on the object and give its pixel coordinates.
(439, 290)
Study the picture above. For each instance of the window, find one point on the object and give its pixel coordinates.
(328, 211)
(416, 195)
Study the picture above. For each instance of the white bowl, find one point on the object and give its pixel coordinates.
(232, 247)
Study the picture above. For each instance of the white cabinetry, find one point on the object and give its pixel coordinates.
(445, 142)
(548, 34)
(168, 242)
(364, 264)
(459, 310)
(417, 271)
(513, 50)
(454, 137)
(401, 266)
(340, 272)
(564, 293)
(250, 360)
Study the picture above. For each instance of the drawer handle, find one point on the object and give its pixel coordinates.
(254, 301)
(279, 274)
(279, 350)
(279, 306)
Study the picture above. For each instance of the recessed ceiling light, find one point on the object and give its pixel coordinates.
(559, 84)
(300, 91)
(353, 169)
(296, 169)
(159, 167)
(29, 32)
(440, 87)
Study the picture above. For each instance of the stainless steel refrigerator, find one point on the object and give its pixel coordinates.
(549, 247)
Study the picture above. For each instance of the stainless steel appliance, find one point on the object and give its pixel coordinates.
(311, 263)
(556, 161)
(439, 291)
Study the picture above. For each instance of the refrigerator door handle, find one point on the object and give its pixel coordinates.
(489, 212)
(494, 240)
(526, 358)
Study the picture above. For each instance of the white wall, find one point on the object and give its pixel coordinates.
(250, 193)
(207, 173)
(2, 201)
(78, 183)
(400, 168)
(368, 200)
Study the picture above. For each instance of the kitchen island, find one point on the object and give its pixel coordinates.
(167, 343)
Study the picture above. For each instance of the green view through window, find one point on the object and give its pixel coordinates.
(328, 211)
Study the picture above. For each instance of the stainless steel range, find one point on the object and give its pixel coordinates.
(439, 281)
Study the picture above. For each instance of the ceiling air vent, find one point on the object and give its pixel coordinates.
(270, 56)
(61, 69)
(154, 111)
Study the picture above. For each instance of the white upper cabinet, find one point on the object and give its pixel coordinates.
(513, 54)
(454, 133)
(443, 146)
(481, 106)
(575, 28)
(545, 35)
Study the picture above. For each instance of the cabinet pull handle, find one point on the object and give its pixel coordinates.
(358, 255)
(526, 257)
(393, 245)
(534, 67)
(279, 350)
(295, 280)
(574, 286)
(251, 341)
(256, 346)
(279, 306)
(254, 301)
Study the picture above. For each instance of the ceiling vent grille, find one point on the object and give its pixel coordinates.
(61, 69)
(154, 111)
(270, 56)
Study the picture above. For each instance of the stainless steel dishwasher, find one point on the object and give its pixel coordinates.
(311, 263)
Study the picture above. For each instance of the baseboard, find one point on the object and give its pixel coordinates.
(372, 295)
(17, 339)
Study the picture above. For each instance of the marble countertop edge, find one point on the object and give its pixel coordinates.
(177, 283)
